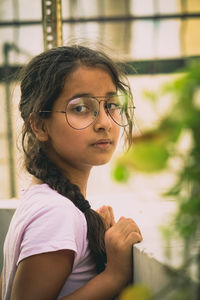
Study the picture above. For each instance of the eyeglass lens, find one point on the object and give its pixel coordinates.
(81, 112)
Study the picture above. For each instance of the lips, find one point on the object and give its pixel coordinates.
(103, 143)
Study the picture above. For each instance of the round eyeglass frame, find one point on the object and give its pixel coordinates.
(99, 101)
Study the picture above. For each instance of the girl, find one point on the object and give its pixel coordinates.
(73, 102)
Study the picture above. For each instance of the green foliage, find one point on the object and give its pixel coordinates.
(153, 149)
(145, 156)
(152, 96)
(136, 292)
(156, 152)
(121, 173)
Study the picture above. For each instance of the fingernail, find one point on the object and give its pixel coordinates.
(103, 208)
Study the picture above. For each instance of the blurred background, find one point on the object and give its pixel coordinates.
(156, 37)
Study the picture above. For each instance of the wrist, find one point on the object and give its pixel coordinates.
(115, 280)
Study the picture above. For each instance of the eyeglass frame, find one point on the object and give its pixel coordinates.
(95, 98)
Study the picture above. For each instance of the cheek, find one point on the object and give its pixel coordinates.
(117, 131)
(71, 140)
(66, 146)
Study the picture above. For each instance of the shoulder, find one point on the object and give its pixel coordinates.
(42, 193)
(42, 199)
(41, 205)
(48, 221)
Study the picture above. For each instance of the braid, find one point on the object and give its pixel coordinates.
(45, 170)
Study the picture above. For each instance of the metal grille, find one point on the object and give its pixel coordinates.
(52, 23)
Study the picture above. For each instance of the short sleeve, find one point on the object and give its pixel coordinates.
(52, 227)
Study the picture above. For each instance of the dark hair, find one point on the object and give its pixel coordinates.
(41, 84)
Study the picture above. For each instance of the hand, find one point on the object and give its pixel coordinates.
(119, 240)
(107, 215)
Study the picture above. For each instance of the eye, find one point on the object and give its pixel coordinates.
(78, 108)
(81, 108)
(113, 106)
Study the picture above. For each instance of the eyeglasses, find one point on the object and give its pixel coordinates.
(83, 111)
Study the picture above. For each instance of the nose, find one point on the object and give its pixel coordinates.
(103, 120)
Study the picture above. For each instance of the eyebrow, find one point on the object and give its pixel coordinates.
(79, 95)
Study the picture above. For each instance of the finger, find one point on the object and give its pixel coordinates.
(131, 221)
(105, 215)
(127, 226)
(112, 218)
(137, 229)
(134, 237)
(102, 210)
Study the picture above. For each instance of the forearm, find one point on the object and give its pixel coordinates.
(102, 287)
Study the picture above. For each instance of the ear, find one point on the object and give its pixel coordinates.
(38, 127)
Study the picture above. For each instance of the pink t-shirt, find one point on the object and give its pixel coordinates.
(46, 221)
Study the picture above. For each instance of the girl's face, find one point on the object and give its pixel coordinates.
(87, 147)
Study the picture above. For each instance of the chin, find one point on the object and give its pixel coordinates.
(100, 159)
(101, 162)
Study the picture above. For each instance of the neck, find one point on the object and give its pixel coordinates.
(78, 177)
(77, 174)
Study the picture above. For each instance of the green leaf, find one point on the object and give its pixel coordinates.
(136, 292)
(146, 157)
(151, 96)
(120, 173)
(192, 206)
